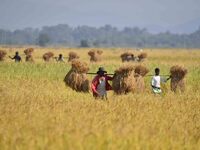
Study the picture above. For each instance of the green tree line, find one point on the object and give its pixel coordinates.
(105, 36)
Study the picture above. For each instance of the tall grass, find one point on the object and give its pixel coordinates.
(37, 110)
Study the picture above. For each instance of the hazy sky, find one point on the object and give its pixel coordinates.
(143, 13)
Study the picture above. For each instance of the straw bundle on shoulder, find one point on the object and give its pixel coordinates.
(2, 55)
(140, 72)
(72, 56)
(79, 67)
(177, 78)
(123, 80)
(29, 58)
(47, 56)
(142, 56)
(76, 78)
(28, 51)
(99, 52)
(127, 56)
(95, 56)
(139, 83)
(91, 52)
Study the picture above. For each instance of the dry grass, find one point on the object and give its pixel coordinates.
(37, 110)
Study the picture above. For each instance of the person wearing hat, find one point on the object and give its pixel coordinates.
(100, 84)
(17, 58)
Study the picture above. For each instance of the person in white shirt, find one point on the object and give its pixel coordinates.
(156, 80)
(60, 58)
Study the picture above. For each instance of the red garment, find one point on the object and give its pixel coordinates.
(95, 83)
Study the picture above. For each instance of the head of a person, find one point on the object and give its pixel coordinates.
(157, 71)
(101, 72)
(60, 55)
(16, 53)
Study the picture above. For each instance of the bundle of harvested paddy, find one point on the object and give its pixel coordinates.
(72, 56)
(99, 52)
(47, 56)
(76, 78)
(2, 55)
(177, 78)
(142, 56)
(123, 80)
(29, 58)
(28, 51)
(127, 56)
(91, 53)
(95, 56)
(140, 72)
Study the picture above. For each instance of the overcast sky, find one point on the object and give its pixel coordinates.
(120, 13)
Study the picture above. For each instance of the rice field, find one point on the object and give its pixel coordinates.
(37, 110)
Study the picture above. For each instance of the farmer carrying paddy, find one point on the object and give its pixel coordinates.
(17, 58)
(156, 80)
(100, 84)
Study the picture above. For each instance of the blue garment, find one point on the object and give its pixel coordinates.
(17, 58)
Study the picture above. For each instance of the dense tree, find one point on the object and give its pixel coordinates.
(43, 39)
(105, 36)
(84, 43)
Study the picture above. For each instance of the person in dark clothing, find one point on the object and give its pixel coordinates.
(17, 58)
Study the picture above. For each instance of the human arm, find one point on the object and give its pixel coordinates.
(11, 57)
(169, 77)
(94, 85)
(164, 80)
(109, 77)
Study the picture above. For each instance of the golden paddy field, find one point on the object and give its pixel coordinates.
(37, 110)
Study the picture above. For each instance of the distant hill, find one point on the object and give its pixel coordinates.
(156, 29)
(188, 27)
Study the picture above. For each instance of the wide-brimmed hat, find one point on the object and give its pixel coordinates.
(101, 70)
